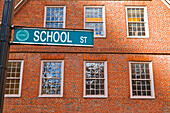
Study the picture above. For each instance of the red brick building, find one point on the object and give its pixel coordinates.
(127, 69)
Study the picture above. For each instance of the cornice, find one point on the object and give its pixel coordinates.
(19, 5)
(167, 3)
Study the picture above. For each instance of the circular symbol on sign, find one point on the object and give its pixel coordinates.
(22, 35)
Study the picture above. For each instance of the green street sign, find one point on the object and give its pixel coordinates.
(44, 36)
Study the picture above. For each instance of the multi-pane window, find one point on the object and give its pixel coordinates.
(14, 78)
(141, 80)
(55, 16)
(95, 79)
(94, 18)
(137, 23)
(51, 80)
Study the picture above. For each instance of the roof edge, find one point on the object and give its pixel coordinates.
(19, 5)
(167, 3)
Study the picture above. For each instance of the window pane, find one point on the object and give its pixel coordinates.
(97, 27)
(51, 78)
(135, 14)
(94, 20)
(54, 17)
(136, 21)
(95, 78)
(13, 78)
(141, 83)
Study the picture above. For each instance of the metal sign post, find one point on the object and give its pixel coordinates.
(5, 36)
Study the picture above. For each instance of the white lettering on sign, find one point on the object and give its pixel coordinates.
(64, 37)
(58, 36)
(51, 36)
(70, 41)
(43, 32)
(36, 33)
(83, 39)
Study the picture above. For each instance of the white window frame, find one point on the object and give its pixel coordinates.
(151, 83)
(64, 14)
(20, 84)
(62, 79)
(145, 22)
(104, 23)
(105, 84)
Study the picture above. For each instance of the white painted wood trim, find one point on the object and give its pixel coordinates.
(167, 3)
(152, 80)
(41, 70)
(20, 84)
(18, 4)
(106, 80)
(146, 21)
(130, 79)
(62, 79)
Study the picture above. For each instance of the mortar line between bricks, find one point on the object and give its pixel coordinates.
(94, 53)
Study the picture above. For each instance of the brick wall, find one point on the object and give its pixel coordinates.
(1, 9)
(118, 85)
(116, 49)
(32, 14)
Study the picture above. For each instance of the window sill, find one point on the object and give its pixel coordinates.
(99, 36)
(48, 96)
(13, 96)
(95, 96)
(142, 97)
(138, 37)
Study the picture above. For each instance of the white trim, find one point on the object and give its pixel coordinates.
(20, 84)
(151, 79)
(104, 20)
(62, 79)
(64, 14)
(18, 4)
(167, 3)
(145, 22)
(105, 81)
(46, 96)
(95, 96)
(137, 37)
(61, 29)
(51, 44)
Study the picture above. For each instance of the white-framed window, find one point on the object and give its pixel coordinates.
(95, 79)
(141, 80)
(94, 18)
(51, 78)
(55, 16)
(137, 22)
(14, 78)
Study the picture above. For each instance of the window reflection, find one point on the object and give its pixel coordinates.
(95, 78)
(51, 79)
